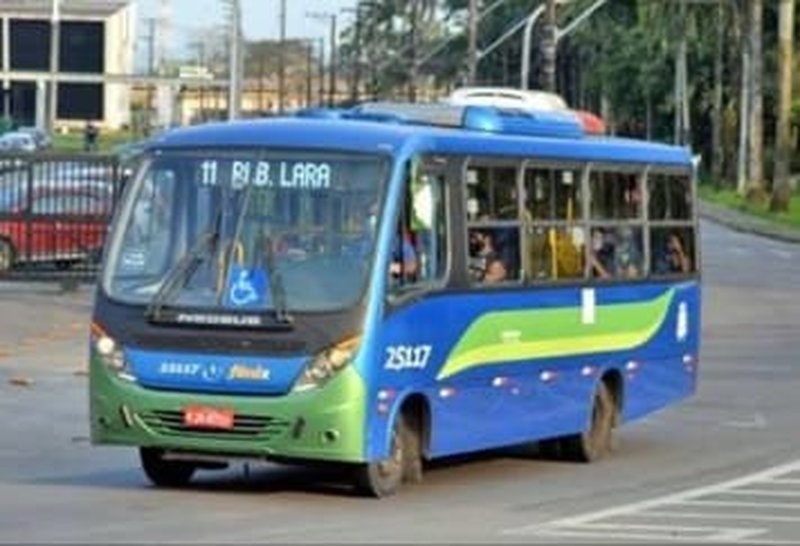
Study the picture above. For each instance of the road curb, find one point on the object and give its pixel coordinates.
(746, 223)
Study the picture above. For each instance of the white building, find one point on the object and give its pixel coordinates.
(97, 37)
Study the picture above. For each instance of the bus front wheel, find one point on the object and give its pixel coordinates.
(163, 472)
(383, 478)
(597, 440)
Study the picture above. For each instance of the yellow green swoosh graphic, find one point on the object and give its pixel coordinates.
(507, 336)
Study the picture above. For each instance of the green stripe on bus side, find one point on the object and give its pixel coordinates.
(508, 336)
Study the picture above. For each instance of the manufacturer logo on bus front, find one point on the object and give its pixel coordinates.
(206, 372)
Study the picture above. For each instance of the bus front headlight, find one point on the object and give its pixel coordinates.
(326, 365)
(110, 353)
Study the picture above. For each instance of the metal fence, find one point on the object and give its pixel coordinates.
(54, 214)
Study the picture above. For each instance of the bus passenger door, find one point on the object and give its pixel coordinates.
(422, 322)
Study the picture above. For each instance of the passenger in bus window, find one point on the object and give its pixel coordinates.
(602, 254)
(485, 262)
(404, 264)
(627, 256)
(673, 257)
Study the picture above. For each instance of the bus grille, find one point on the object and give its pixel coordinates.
(245, 427)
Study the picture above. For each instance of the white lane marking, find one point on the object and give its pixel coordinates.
(763, 492)
(685, 497)
(633, 532)
(664, 514)
(738, 250)
(785, 481)
(741, 504)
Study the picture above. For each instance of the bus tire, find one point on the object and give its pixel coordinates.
(383, 478)
(7, 255)
(597, 440)
(162, 472)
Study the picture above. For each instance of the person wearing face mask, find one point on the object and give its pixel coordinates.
(486, 264)
(627, 258)
(673, 258)
(602, 255)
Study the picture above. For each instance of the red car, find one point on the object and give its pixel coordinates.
(62, 225)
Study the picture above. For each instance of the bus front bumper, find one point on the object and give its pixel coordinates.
(325, 424)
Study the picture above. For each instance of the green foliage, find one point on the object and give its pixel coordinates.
(729, 198)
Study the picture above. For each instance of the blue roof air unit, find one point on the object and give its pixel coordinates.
(551, 123)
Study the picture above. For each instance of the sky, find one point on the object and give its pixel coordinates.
(260, 18)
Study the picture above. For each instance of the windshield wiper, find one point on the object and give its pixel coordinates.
(182, 271)
(276, 287)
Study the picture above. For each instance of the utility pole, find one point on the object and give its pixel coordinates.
(412, 69)
(282, 60)
(331, 17)
(472, 55)
(321, 71)
(332, 99)
(548, 48)
(234, 59)
(309, 72)
(354, 90)
(55, 45)
(151, 69)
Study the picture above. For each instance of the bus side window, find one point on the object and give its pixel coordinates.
(493, 223)
(672, 235)
(672, 250)
(419, 249)
(669, 197)
(554, 241)
(616, 249)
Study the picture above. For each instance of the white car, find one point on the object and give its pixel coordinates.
(18, 141)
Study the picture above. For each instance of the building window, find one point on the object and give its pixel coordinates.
(82, 47)
(30, 45)
(80, 101)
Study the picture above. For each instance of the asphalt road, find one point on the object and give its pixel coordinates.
(724, 466)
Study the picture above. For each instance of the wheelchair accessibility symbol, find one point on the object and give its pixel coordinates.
(246, 287)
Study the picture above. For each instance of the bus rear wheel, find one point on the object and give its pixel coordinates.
(597, 440)
(163, 472)
(383, 478)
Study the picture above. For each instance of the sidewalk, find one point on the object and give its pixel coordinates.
(42, 328)
(741, 221)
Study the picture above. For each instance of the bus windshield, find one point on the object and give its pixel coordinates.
(251, 230)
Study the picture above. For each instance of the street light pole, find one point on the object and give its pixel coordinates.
(282, 60)
(525, 71)
(235, 64)
(332, 86)
(321, 70)
(332, 69)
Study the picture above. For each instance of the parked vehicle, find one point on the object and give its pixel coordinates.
(18, 142)
(62, 224)
(40, 137)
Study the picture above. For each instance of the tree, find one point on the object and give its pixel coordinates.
(756, 99)
(781, 187)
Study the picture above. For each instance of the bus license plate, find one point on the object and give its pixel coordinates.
(208, 417)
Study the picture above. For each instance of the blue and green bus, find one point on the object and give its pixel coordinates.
(390, 284)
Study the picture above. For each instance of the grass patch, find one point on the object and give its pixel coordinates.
(106, 142)
(729, 198)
